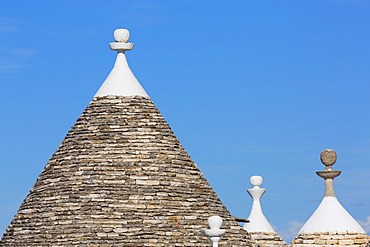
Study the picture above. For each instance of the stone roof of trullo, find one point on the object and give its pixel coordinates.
(120, 178)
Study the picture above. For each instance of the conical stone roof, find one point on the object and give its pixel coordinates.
(120, 178)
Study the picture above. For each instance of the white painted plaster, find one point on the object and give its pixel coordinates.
(121, 35)
(215, 232)
(258, 221)
(121, 81)
(215, 222)
(331, 216)
(256, 181)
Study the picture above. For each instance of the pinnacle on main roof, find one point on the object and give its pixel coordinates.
(330, 216)
(258, 221)
(120, 178)
(121, 81)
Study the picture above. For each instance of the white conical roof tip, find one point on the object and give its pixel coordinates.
(330, 215)
(121, 81)
(258, 221)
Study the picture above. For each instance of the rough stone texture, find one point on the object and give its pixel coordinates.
(120, 178)
(327, 239)
(267, 239)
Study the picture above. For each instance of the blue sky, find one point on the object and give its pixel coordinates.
(249, 87)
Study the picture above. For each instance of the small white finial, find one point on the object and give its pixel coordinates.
(256, 181)
(215, 232)
(258, 221)
(215, 222)
(121, 35)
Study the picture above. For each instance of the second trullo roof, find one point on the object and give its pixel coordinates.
(330, 215)
(120, 178)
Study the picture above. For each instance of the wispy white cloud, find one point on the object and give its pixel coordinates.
(14, 59)
(23, 52)
(291, 232)
(8, 24)
(7, 68)
(365, 224)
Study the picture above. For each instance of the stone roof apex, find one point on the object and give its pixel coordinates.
(121, 81)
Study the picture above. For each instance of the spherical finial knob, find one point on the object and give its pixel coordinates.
(215, 222)
(121, 35)
(256, 180)
(328, 157)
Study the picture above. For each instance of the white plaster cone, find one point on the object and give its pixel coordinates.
(121, 81)
(331, 216)
(258, 221)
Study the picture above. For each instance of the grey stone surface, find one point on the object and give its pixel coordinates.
(329, 239)
(120, 178)
(268, 239)
(328, 157)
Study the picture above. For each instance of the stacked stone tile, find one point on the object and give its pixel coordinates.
(268, 239)
(331, 238)
(120, 178)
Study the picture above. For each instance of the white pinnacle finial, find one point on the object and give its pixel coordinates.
(215, 232)
(121, 81)
(121, 35)
(257, 220)
(256, 181)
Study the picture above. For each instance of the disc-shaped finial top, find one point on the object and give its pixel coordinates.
(256, 180)
(328, 157)
(121, 35)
